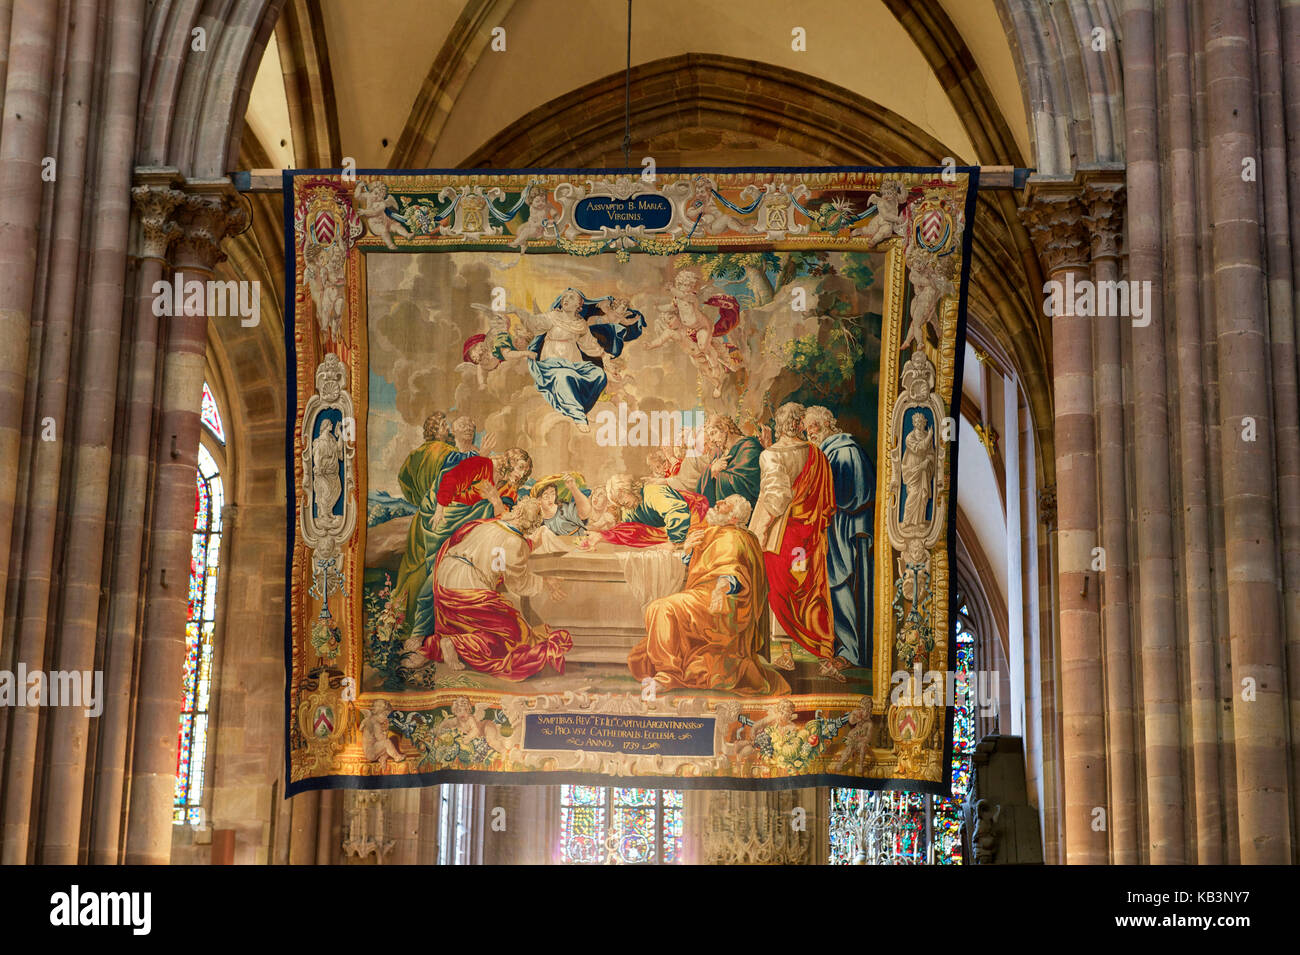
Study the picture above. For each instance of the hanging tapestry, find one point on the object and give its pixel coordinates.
(622, 479)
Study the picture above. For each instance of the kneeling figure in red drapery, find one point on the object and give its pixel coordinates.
(475, 624)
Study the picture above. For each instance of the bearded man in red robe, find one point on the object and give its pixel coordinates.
(796, 501)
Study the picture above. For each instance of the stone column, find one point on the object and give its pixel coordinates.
(89, 504)
(427, 850)
(29, 85)
(1043, 668)
(1259, 705)
(1054, 217)
(1279, 239)
(156, 200)
(504, 826)
(1158, 617)
(1290, 28)
(1194, 468)
(1104, 198)
(51, 333)
(328, 843)
(1033, 728)
(209, 212)
(305, 819)
(1224, 682)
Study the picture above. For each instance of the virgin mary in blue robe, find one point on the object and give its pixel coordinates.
(569, 370)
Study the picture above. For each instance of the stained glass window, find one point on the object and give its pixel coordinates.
(196, 676)
(210, 416)
(601, 825)
(904, 828)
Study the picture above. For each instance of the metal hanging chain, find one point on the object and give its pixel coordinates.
(627, 95)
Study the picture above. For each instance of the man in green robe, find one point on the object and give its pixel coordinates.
(471, 489)
(418, 478)
(734, 468)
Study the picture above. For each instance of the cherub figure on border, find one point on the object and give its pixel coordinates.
(543, 214)
(932, 281)
(377, 739)
(861, 738)
(373, 202)
(472, 723)
(890, 219)
(702, 209)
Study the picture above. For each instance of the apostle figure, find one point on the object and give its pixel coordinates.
(796, 502)
(734, 468)
(648, 514)
(664, 464)
(478, 486)
(664, 467)
(690, 461)
(468, 491)
(917, 471)
(417, 478)
(848, 537)
(715, 633)
(474, 624)
(565, 505)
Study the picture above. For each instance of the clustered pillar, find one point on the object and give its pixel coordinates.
(1105, 200)
(205, 215)
(99, 430)
(1056, 223)
(1180, 461)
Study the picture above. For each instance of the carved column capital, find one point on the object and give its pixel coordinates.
(156, 197)
(206, 217)
(1105, 202)
(184, 222)
(1055, 220)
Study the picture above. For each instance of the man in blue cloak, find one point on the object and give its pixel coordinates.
(849, 562)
